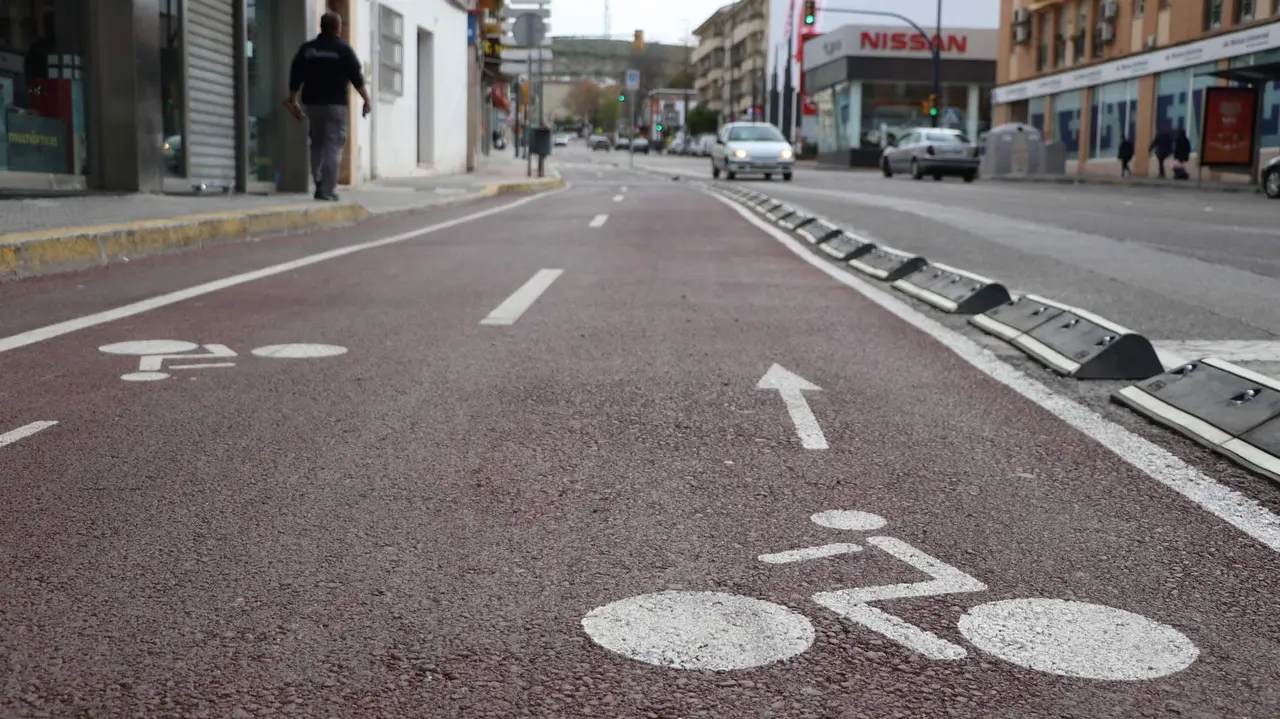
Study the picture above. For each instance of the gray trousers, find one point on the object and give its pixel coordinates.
(328, 128)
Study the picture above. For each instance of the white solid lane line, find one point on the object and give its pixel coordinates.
(1232, 507)
(522, 299)
(598, 221)
(23, 432)
(41, 334)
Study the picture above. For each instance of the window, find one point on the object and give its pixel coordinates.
(1139, 6)
(1078, 37)
(390, 52)
(1066, 121)
(1212, 14)
(1246, 10)
(1044, 28)
(1179, 99)
(1060, 40)
(1112, 117)
(173, 88)
(758, 133)
(827, 139)
(1035, 113)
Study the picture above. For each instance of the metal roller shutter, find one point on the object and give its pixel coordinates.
(211, 128)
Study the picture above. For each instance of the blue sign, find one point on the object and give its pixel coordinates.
(633, 79)
(473, 28)
(951, 118)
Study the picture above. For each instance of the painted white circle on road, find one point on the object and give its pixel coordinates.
(149, 347)
(1078, 639)
(699, 630)
(143, 376)
(849, 519)
(299, 351)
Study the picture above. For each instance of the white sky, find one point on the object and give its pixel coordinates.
(666, 20)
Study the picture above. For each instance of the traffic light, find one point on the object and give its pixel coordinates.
(658, 127)
(933, 106)
(810, 11)
(638, 43)
(622, 98)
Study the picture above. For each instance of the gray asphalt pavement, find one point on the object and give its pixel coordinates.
(1180, 266)
(614, 451)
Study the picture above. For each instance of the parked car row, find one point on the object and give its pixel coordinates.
(623, 143)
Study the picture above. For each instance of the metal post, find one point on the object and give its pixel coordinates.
(631, 121)
(937, 60)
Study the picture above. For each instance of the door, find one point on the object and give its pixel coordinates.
(211, 94)
(426, 103)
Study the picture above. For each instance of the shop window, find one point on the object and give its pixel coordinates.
(390, 52)
(172, 88)
(827, 140)
(42, 90)
(1270, 97)
(1066, 121)
(1179, 98)
(1212, 14)
(262, 18)
(844, 120)
(1111, 117)
(1035, 113)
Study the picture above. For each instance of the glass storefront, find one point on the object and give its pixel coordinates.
(172, 87)
(264, 96)
(1113, 114)
(43, 72)
(893, 108)
(827, 139)
(1066, 121)
(1270, 96)
(1179, 98)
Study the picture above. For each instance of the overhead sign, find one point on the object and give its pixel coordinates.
(1177, 57)
(882, 41)
(633, 79)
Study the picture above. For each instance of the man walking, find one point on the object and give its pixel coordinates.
(322, 69)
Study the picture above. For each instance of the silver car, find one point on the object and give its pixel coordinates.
(753, 148)
(932, 151)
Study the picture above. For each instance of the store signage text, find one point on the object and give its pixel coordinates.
(913, 41)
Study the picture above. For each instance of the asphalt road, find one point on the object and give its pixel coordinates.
(613, 451)
(1189, 269)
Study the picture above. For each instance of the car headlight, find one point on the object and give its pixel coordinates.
(740, 154)
(786, 155)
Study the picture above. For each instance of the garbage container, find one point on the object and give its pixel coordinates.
(541, 141)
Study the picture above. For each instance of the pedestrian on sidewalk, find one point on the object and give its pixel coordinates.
(1181, 156)
(1162, 147)
(1125, 156)
(322, 69)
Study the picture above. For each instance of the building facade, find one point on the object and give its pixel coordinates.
(186, 96)
(731, 60)
(870, 83)
(1090, 72)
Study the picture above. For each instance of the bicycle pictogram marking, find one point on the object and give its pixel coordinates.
(156, 356)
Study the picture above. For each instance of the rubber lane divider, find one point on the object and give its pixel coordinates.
(768, 205)
(818, 231)
(795, 221)
(844, 247)
(953, 290)
(888, 264)
(1229, 409)
(1071, 341)
(780, 213)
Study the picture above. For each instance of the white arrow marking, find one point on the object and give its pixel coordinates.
(790, 387)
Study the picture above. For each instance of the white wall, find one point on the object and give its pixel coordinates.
(395, 119)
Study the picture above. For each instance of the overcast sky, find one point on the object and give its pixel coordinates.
(668, 21)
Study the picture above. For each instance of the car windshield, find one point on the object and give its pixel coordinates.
(755, 133)
(947, 138)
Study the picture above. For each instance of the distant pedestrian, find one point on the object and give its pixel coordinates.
(1181, 155)
(1125, 156)
(322, 69)
(1162, 147)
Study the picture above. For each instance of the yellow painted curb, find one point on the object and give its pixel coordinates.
(540, 184)
(44, 252)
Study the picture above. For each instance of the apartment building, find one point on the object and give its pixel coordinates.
(731, 60)
(1091, 72)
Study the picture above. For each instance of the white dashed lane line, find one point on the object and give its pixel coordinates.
(23, 432)
(598, 221)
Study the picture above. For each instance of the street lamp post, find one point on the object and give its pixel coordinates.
(936, 44)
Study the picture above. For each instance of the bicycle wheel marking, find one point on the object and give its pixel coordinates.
(699, 630)
(1078, 639)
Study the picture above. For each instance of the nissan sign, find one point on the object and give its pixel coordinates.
(889, 41)
(913, 41)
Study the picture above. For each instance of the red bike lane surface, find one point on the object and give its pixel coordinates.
(419, 526)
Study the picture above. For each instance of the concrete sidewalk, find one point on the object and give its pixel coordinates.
(1237, 186)
(48, 235)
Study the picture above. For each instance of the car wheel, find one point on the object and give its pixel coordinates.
(970, 177)
(884, 167)
(786, 176)
(768, 176)
(715, 171)
(937, 178)
(1271, 184)
(731, 175)
(916, 174)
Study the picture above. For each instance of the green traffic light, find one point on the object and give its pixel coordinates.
(808, 19)
(622, 98)
(659, 128)
(933, 111)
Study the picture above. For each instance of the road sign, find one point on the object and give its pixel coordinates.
(633, 79)
(529, 30)
(951, 117)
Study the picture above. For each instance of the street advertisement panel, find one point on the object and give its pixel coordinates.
(1226, 134)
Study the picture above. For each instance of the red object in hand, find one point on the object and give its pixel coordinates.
(293, 110)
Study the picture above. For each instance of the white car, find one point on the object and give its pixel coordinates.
(561, 140)
(753, 148)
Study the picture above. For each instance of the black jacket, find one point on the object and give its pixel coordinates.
(322, 68)
(1182, 148)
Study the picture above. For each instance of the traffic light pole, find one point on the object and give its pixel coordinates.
(936, 44)
(631, 128)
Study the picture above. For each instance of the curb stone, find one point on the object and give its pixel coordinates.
(43, 252)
